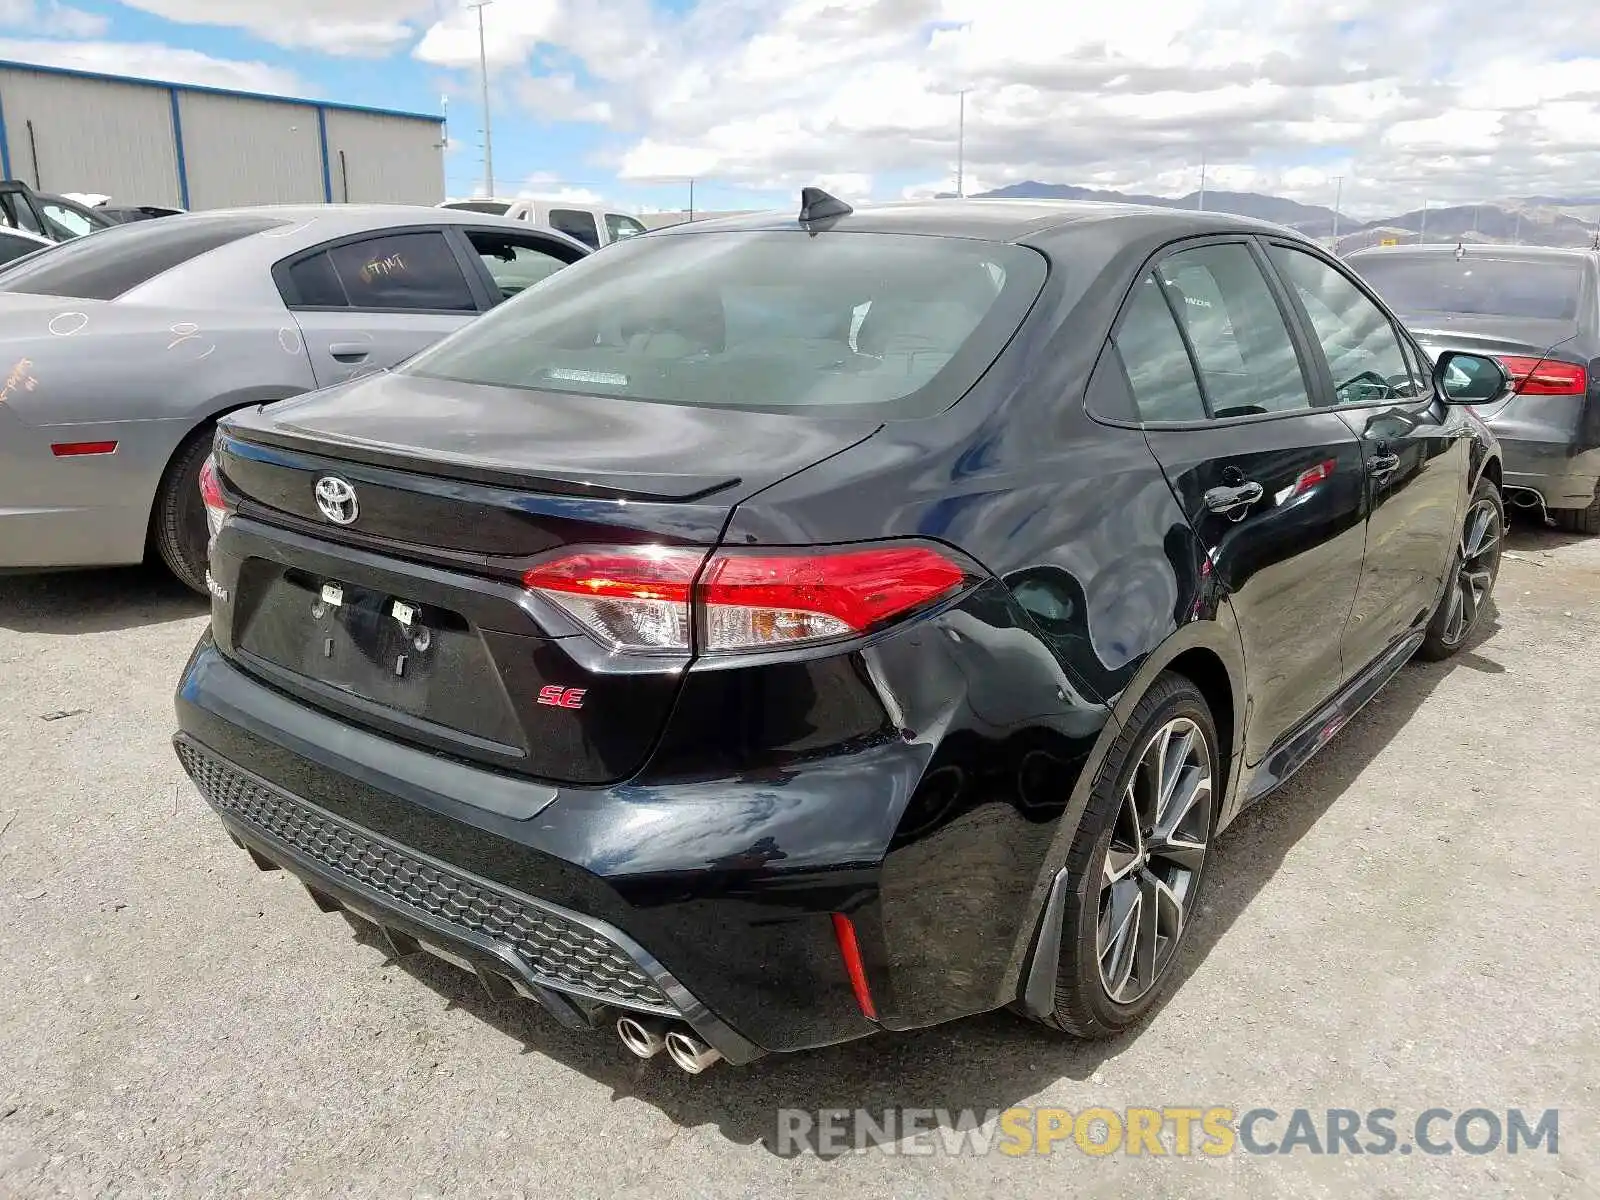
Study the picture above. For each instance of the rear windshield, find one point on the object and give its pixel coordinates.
(899, 324)
(105, 264)
(1476, 285)
(495, 208)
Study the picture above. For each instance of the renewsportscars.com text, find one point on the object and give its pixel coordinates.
(1175, 1131)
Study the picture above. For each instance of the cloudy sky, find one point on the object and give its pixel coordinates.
(1438, 100)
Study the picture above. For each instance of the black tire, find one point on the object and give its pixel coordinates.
(1086, 1004)
(178, 523)
(1579, 520)
(1466, 592)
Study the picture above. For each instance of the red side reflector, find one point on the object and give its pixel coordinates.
(72, 449)
(1544, 377)
(845, 931)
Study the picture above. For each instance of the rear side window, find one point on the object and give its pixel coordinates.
(766, 320)
(13, 247)
(116, 260)
(415, 271)
(575, 223)
(1247, 359)
(1476, 286)
(1153, 354)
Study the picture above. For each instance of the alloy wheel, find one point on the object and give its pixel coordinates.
(1153, 863)
(1475, 571)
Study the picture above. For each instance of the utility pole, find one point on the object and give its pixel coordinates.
(1201, 203)
(1338, 195)
(961, 147)
(483, 72)
(1422, 234)
(691, 200)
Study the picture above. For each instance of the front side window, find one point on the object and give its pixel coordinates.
(619, 226)
(517, 261)
(1247, 359)
(576, 223)
(1360, 344)
(1154, 357)
(770, 320)
(415, 271)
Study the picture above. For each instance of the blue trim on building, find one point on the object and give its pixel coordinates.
(72, 73)
(327, 167)
(5, 145)
(177, 144)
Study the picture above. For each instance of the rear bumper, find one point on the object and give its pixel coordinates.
(655, 900)
(574, 966)
(1540, 450)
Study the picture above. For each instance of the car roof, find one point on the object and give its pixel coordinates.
(1000, 220)
(359, 217)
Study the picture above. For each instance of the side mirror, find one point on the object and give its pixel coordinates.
(1469, 378)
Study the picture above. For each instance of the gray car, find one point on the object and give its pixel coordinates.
(119, 351)
(1537, 310)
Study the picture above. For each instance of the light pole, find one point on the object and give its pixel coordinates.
(961, 147)
(1201, 203)
(1338, 195)
(483, 72)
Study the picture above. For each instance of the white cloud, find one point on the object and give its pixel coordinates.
(1451, 100)
(511, 29)
(151, 60)
(350, 27)
(51, 18)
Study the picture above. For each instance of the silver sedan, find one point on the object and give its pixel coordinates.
(119, 351)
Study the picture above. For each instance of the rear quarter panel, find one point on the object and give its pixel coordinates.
(80, 371)
(1017, 709)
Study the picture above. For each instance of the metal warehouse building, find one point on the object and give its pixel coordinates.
(143, 142)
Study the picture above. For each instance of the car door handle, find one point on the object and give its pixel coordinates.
(1383, 464)
(352, 352)
(1226, 499)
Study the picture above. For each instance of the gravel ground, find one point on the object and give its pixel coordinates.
(1410, 924)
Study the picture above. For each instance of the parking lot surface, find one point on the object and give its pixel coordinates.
(1410, 924)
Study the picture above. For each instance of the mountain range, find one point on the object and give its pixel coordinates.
(1532, 220)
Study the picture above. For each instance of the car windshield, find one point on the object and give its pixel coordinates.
(1476, 285)
(772, 320)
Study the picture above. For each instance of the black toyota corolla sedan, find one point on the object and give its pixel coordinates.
(774, 630)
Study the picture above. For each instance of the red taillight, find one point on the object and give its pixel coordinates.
(844, 932)
(211, 496)
(634, 598)
(647, 598)
(1544, 377)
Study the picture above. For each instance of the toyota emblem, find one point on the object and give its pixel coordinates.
(337, 500)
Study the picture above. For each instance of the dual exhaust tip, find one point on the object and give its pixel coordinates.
(646, 1037)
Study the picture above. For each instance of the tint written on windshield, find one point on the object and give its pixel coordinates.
(899, 324)
(1478, 286)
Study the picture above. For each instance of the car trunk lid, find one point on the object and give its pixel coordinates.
(1495, 336)
(411, 617)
